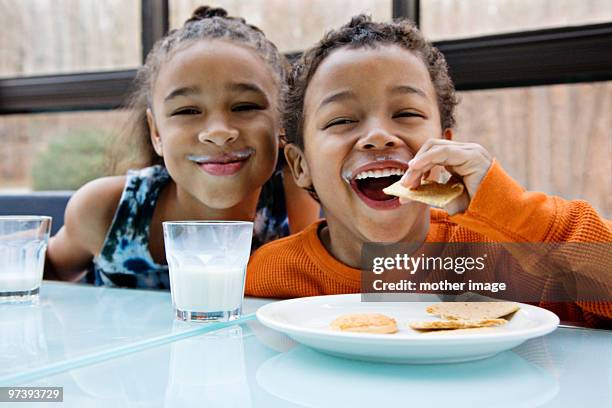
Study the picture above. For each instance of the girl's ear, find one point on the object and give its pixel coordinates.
(298, 165)
(154, 134)
(448, 134)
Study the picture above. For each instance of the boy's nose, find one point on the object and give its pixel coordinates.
(377, 139)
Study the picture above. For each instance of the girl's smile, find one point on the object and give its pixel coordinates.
(225, 164)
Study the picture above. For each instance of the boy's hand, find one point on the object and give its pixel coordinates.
(469, 161)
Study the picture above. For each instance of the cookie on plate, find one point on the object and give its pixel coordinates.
(456, 324)
(446, 332)
(472, 310)
(365, 323)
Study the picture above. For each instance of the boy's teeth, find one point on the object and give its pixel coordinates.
(380, 173)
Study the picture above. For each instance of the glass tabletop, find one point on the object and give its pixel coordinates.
(248, 365)
(75, 325)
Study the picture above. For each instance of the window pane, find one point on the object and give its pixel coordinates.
(292, 25)
(554, 139)
(42, 37)
(59, 151)
(451, 19)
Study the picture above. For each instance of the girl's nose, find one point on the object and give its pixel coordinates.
(377, 138)
(218, 135)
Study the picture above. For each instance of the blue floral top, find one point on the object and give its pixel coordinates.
(125, 259)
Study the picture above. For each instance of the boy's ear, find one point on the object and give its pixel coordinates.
(448, 134)
(154, 134)
(297, 163)
(282, 138)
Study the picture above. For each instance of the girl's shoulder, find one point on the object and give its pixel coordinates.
(91, 209)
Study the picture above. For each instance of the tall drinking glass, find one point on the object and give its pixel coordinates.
(23, 242)
(207, 262)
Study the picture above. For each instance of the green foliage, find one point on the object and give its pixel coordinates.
(70, 161)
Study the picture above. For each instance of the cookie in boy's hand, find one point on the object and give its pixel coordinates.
(429, 192)
(365, 323)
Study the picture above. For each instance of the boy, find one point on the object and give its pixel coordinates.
(373, 102)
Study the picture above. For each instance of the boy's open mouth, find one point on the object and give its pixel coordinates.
(369, 182)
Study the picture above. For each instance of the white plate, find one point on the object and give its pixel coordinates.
(306, 320)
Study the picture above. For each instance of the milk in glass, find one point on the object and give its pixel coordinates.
(207, 263)
(201, 284)
(21, 265)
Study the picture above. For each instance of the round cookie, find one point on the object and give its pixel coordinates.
(365, 323)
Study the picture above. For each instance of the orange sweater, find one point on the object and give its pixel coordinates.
(501, 211)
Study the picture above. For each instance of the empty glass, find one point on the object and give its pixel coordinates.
(207, 262)
(23, 242)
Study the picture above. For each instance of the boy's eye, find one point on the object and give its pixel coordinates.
(242, 107)
(407, 114)
(186, 111)
(338, 122)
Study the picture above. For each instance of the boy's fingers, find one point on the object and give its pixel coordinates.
(460, 160)
(433, 143)
(458, 205)
(427, 146)
(414, 177)
(461, 157)
(442, 155)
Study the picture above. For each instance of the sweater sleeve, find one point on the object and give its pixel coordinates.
(504, 212)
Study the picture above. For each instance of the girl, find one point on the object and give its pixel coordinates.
(370, 104)
(206, 126)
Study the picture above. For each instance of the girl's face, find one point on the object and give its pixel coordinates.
(366, 114)
(215, 120)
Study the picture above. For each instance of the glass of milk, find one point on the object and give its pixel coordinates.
(23, 242)
(207, 262)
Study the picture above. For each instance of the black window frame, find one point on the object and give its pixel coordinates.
(562, 55)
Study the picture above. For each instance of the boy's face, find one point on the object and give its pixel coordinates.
(367, 112)
(215, 120)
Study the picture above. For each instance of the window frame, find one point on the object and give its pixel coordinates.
(562, 55)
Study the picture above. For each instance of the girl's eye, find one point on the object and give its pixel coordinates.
(186, 111)
(339, 122)
(244, 107)
(407, 114)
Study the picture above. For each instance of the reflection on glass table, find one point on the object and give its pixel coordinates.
(79, 324)
(251, 366)
(342, 382)
(208, 371)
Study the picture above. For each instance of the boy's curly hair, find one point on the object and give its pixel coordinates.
(360, 32)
